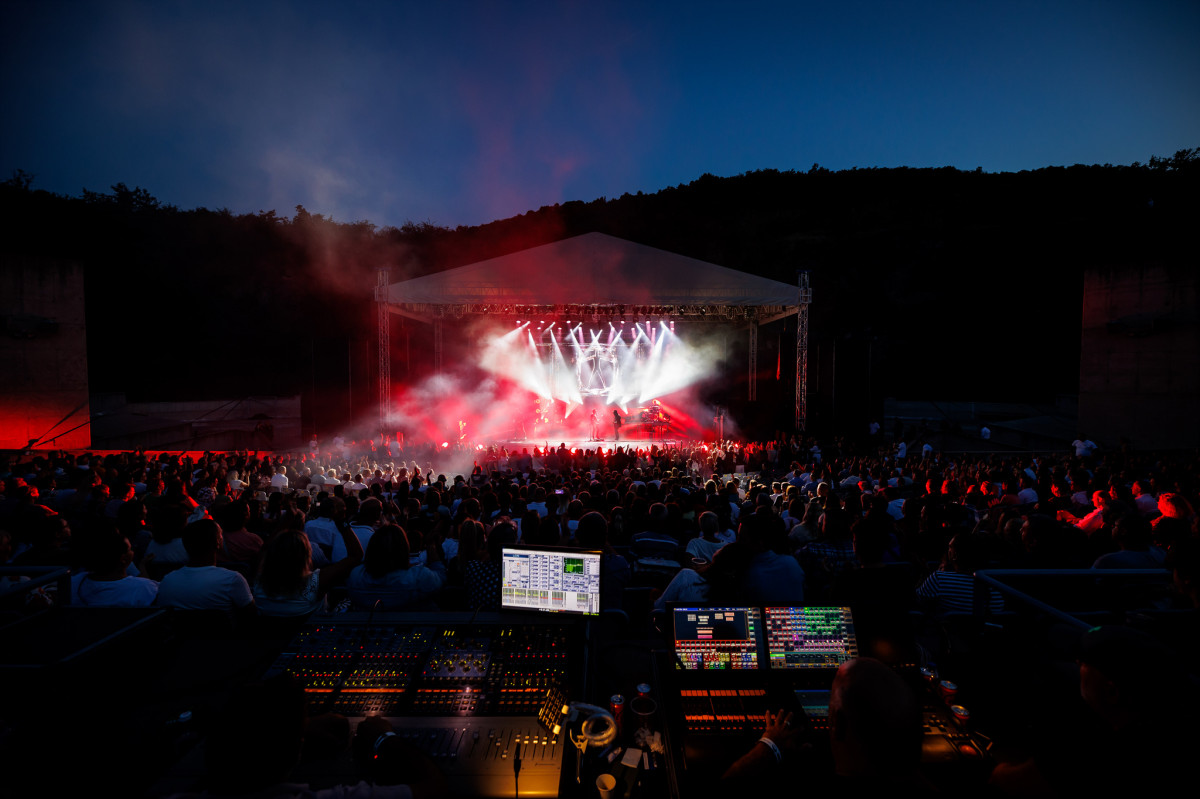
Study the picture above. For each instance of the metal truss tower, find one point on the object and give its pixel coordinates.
(385, 351)
(753, 360)
(805, 298)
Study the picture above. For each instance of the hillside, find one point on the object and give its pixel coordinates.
(957, 284)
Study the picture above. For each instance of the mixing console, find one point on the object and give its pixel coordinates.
(467, 695)
(476, 755)
(724, 712)
(453, 670)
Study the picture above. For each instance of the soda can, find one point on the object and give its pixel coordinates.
(617, 705)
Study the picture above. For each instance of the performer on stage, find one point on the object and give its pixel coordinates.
(616, 425)
(595, 426)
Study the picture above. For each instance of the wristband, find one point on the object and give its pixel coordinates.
(773, 747)
(379, 742)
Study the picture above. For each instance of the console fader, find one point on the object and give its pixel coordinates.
(425, 670)
(467, 695)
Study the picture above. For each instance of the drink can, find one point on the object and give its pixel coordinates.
(643, 689)
(617, 705)
(948, 690)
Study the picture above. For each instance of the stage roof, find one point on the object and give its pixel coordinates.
(593, 269)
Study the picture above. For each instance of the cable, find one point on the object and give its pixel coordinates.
(598, 729)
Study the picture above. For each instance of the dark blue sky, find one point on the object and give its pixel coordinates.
(465, 112)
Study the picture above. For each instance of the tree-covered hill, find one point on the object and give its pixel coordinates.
(966, 284)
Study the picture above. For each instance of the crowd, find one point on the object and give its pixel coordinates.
(281, 537)
(755, 523)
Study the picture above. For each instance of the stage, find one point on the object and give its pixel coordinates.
(578, 444)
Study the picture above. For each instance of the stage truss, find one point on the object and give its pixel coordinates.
(748, 317)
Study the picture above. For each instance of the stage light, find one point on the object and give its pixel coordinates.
(445, 444)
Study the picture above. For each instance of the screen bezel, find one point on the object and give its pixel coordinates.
(568, 551)
(848, 614)
(759, 641)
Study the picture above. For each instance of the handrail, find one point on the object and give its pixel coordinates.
(990, 577)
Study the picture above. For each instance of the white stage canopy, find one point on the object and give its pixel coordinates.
(592, 270)
(604, 278)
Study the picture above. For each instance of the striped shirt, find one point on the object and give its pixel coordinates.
(955, 592)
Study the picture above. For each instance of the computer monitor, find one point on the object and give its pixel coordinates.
(809, 637)
(550, 580)
(717, 639)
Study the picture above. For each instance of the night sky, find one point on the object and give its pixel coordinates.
(459, 113)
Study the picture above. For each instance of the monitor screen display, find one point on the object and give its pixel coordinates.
(722, 639)
(809, 637)
(550, 580)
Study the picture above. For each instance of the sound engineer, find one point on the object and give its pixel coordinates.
(874, 734)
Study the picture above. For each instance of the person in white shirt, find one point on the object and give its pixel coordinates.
(325, 529)
(201, 584)
(279, 480)
(1027, 495)
(107, 582)
(707, 543)
(356, 484)
(1094, 520)
(1146, 503)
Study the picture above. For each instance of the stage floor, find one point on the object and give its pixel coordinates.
(516, 445)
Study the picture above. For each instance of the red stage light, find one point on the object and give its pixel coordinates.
(445, 444)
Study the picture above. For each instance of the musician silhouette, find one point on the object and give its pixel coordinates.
(616, 425)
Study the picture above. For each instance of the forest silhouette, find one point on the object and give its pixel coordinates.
(956, 284)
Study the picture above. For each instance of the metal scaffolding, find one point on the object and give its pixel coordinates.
(437, 347)
(385, 350)
(753, 360)
(804, 299)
